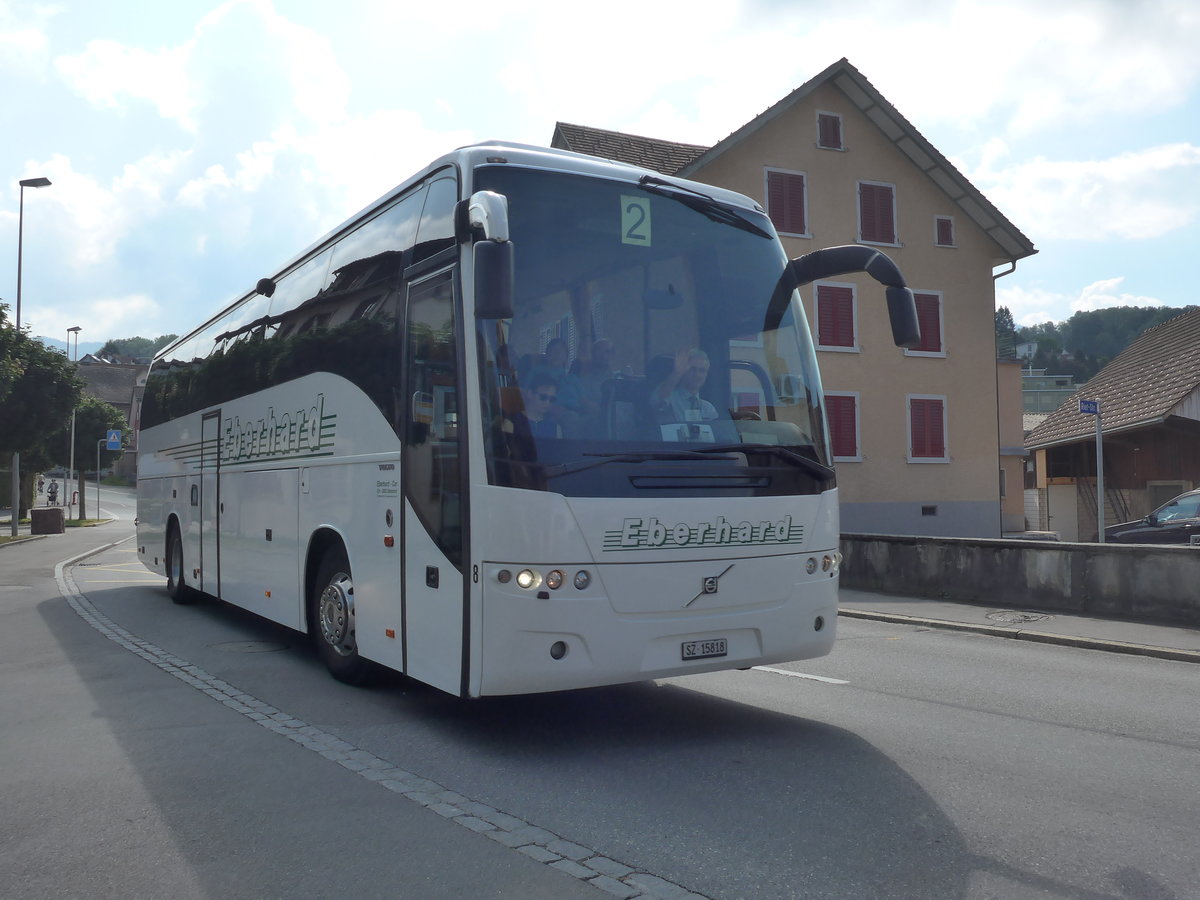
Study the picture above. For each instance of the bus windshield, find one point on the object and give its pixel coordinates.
(648, 353)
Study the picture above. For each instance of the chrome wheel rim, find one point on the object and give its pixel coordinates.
(336, 614)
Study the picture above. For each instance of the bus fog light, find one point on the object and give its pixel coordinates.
(558, 649)
(527, 578)
(809, 567)
(582, 580)
(504, 576)
(554, 579)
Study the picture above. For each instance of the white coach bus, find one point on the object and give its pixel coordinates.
(532, 421)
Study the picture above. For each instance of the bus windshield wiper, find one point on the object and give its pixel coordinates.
(820, 470)
(701, 202)
(630, 456)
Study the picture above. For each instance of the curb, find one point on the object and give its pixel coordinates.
(1038, 637)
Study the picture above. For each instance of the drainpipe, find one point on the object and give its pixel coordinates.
(1012, 267)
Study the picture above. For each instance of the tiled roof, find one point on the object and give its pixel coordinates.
(112, 383)
(1142, 386)
(650, 153)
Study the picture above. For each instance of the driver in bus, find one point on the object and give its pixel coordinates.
(677, 397)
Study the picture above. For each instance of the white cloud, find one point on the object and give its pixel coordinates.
(1033, 306)
(23, 42)
(106, 72)
(1103, 294)
(101, 318)
(1137, 195)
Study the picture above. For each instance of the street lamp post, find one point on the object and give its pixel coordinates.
(16, 457)
(71, 471)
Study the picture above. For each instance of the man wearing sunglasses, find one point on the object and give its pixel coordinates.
(536, 419)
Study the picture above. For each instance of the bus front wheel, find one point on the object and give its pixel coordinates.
(177, 586)
(333, 620)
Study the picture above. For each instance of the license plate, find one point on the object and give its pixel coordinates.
(705, 649)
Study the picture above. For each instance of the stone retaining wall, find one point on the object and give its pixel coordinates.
(1135, 581)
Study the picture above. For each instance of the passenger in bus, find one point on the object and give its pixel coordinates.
(534, 420)
(569, 404)
(677, 397)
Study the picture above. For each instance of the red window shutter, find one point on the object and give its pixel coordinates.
(875, 213)
(945, 231)
(929, 315)
(835, 316)
(843, 425)
(829, 131)
(928, 429)
(785, 202)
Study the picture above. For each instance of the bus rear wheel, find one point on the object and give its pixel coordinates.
(333, 620)
(177, 586)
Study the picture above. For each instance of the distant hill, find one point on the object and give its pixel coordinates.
(1086, 342)
(85, 347)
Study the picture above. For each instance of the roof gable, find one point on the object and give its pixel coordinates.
(685, 160)
(1143, 385)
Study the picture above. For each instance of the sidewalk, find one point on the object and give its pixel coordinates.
(1068, 629)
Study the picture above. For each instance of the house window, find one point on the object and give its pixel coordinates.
(929, 315)
(842, 413)
(836, 317)
(876, 212)
(787, 201)
(829, 131)
(943, 231)
(927, 428)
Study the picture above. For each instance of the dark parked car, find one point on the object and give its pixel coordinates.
(1172, 523)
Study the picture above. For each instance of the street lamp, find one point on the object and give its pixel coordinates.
(71, 471)
(16, 457)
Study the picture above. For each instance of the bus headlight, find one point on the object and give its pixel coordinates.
(528, 579)
(582, 579)
(554, 579)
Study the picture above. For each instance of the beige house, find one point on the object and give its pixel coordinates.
(916, 433)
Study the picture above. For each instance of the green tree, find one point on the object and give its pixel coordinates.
(1006, 333)
(38, 389)
(93, 419)
(134, 347)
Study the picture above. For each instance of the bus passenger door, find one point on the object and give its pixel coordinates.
(434, 590)
(210, 504)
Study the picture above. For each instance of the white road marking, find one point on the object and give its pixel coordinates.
(791, 674)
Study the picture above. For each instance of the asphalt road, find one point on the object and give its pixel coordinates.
(910, 763)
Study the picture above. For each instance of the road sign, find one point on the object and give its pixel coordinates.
(114, 440)
(1089, 407)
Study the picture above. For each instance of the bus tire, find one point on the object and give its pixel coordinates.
(333, 620)
(177, 586)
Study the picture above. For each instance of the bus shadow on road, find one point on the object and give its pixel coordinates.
(732, 793)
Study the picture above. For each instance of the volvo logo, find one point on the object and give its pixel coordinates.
(708, 585)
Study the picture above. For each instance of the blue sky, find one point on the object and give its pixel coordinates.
(196, 145)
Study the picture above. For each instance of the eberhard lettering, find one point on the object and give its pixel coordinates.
(305, 432)
(650, 534)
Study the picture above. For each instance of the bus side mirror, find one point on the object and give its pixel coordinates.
(493, 280)
(486, 215)
(902, 310)
(831, 261)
